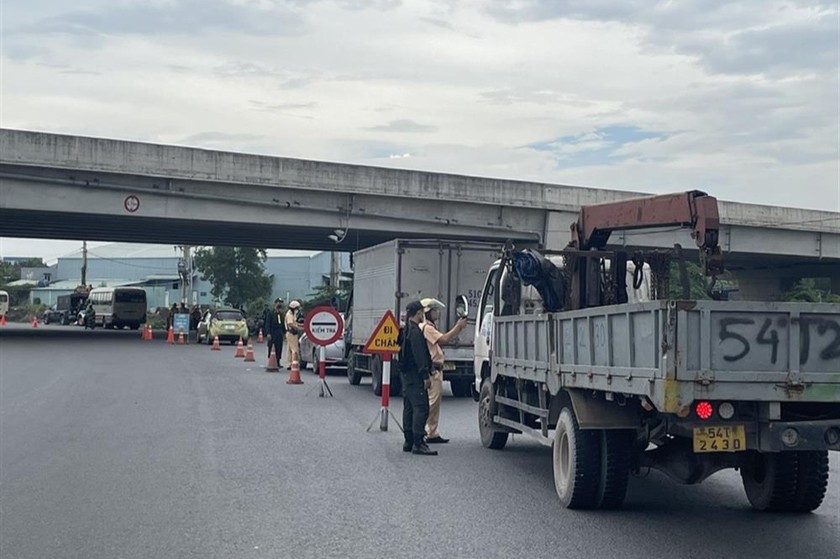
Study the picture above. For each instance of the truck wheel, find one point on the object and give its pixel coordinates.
(64, 320)
(770, 480)
(812, 480)
(352, 375)
(46, 319)
(376, 375)
(616, 455)
(577, 463)
(487, 409)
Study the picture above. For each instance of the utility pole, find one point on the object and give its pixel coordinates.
(335, 268)
(84, 263)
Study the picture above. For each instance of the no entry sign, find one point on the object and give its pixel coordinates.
(323, 326)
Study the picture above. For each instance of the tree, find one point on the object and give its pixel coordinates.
(237, 274)
(697, 281)
(807, 290)
(325, 295)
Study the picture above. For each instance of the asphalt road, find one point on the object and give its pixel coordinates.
(115, 447)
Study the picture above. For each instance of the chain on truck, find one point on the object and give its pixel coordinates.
(582, 349)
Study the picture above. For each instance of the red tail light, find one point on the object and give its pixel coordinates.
(703, 410)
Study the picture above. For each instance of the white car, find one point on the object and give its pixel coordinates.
(310, 353)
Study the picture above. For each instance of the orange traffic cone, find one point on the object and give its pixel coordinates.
(249, 354)
(144, 335)
(35, 322)
(181, 337)
(294, 373)
(260, 337)
(240, 349)
(216, 346)
(170, 336)
(3, 320)
(149, 334)
(272, 363)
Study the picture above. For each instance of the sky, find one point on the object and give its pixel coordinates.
(739, 99)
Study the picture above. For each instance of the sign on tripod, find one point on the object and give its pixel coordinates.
(323, 326)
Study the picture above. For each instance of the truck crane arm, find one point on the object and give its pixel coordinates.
(694, 209)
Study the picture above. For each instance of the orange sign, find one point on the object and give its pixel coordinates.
(384, 337)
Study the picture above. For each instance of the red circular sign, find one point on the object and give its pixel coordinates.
(131, 204)
(323, 326)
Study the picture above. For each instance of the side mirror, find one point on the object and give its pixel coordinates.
(462, 307)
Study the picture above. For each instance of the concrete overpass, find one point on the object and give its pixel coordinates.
(74, 187)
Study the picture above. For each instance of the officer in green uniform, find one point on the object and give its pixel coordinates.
(415, 369)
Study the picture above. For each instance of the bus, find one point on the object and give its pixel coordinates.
(4, 303)
(116, 307)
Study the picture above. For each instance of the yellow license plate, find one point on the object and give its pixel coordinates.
(449, 366)
(730, 438)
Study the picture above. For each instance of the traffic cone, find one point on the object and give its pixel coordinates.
(240, 349)
(294, 373)
(249, 354)
(216, 346)
(181, 337)
(35, 322)
(3, 320)
(272, 363)
(150, 335)
(260, 337)
(144, 334)
(170, 336)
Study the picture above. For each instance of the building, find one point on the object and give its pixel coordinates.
(155, 268)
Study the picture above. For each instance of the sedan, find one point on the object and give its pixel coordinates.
(228, 324)
(310, 353)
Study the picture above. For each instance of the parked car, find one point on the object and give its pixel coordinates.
(52, 314)
(65, 310)
(336, 355)
(228, 324)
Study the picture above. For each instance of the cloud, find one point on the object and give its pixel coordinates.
(404, 125)
(599, 147)
(747, 37)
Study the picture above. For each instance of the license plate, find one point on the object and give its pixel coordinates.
(449, 366)
(730, 438)
(230, 327)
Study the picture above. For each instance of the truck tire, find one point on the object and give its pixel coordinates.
(352, 375)
(770, 480)
(64, 320)
(811, 480)
(577, 463)
(46, 318)
(616, 459)
(376, 374)
(460, 387)
(487, 409)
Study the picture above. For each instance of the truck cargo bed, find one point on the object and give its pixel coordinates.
(675, 352)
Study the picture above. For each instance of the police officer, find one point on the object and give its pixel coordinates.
(274, 329)
(415, 369)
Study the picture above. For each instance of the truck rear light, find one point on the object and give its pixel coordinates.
(726, 410)
(704, 410)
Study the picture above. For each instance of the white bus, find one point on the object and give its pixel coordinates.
(116, 307)
(4, 303)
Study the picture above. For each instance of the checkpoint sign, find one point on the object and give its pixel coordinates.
(384, 337)
(323, 326)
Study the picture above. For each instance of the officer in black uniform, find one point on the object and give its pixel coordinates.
(275, 329)
(415, 368)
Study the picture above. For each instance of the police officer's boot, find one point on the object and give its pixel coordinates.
(420, 447)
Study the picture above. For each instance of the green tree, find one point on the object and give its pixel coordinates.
(237, 274)
(324, 295)
(807, 290)
(697, 281)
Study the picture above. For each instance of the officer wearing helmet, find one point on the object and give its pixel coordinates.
(434, 340)
(293, 330)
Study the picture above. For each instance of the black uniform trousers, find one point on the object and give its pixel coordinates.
(415, 409)
(276, 342)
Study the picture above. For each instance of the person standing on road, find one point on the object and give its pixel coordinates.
(274, 329)
(434, 339)
(293, 332)
(415, 368)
